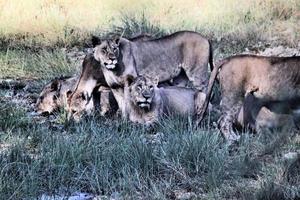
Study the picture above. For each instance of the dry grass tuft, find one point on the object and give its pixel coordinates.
(56, 21)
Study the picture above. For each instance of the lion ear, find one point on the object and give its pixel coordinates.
(95, 41)
(117, 39)
(69, 93)
(128, 80)
(55, 85)
(155, 80)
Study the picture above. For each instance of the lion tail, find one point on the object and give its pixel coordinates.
(211, 81)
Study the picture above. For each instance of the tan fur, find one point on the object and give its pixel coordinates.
(275, 79)
(54, 95)
(166, 57)
(92, 77)
(108, 104)
(159, 102)
(81, 99)
(260, 117)
(102, 99)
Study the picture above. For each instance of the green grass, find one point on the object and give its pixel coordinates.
(31, 65)
(103, 156)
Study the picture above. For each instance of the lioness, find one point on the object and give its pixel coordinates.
(54, 95)
(101, 100)
(165, 57)
(91, 75)
(259, 116)
(275, 79)
(145, 103)
(90, 78)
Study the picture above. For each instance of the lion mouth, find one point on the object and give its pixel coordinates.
(111, 65)
(144, 104)
(41, 113)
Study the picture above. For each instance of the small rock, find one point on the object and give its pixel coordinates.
(75, 196)
(184, 195)
(290, 156)
(115, 196)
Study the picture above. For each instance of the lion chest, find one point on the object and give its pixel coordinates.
(112, 80)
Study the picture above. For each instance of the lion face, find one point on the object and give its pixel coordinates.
(107, 53)
(79, 104)
(48, 100)
(142, 91)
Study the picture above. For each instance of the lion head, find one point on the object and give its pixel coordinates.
(141, 91)
(106, 52)
(49, 99)
(81, 104)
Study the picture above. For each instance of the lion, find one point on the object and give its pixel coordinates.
(145, 103)
(81, 99)
(90, 79)
(269, 79)
(54, 95)
(167, 57)
(101, 100)
(258, 116)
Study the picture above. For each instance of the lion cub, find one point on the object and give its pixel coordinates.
(146, 103)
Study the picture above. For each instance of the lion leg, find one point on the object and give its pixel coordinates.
(119, 96)
(198, 76)
(230, 114)
(104, 103)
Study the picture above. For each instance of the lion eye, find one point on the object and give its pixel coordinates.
(83, 97)
(104, 50)
(140, 87)
(54, 97)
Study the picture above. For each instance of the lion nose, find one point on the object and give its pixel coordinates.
(45, 113)
(73, 111)
(146, 95)
(112, 56)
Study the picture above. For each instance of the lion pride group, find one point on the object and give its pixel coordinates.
(143, 79)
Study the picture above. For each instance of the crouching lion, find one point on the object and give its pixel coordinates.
(145, 103)
(54, 95)
(101, 100)
(271, 80)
